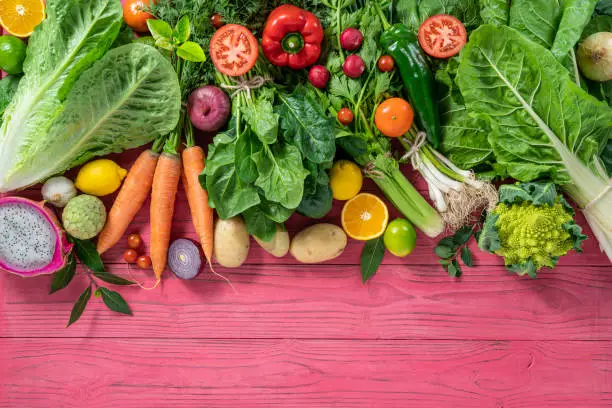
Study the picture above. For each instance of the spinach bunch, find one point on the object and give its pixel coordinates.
(272, 160)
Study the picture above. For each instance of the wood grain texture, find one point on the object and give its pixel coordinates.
(135, 373)
(401, 302)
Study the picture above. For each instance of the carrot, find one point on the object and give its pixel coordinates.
(165, 187)
(133, 194)
(201, 213)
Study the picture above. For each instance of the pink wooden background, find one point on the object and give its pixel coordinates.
(314, 336)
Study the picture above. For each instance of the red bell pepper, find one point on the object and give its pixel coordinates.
(292, 37)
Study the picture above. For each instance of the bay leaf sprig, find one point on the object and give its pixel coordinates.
(454, 247)
(85, 251)
(371, 257)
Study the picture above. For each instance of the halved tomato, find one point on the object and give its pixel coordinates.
(234, 50)
(442, 36)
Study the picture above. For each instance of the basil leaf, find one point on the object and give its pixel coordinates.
(113, 279)
(191, 51)
(115, 302)
(371, 257)
(88, 254)
(182, 31)
(79, 306)
(159, 29)
(466, 257)
(64, 276)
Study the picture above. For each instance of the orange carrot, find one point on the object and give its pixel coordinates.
(201, 213)
(133, 194)
(165, 187)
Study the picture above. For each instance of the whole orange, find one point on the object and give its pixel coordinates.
(394, 117)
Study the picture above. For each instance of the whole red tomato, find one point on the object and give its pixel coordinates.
(394, 117)
(135, 15)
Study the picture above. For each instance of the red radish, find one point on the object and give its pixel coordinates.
(353, 66)
(351, 39)
(319, 76)
(209, 108)
(184, 259)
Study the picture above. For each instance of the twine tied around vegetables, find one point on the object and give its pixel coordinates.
(245, 85)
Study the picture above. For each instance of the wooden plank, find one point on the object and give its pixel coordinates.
(134, 373)
(401, 302)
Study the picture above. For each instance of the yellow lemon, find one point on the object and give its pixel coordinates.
(345, 180)
(100, 177)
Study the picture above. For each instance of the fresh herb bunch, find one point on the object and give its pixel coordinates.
(94, 268)
(454, 247)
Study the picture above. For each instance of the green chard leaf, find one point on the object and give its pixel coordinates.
(64, 276)
(306, 125)
(496, 12)
(79, 306)
(115, 302)
(371, 257)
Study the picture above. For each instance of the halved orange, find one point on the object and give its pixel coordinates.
(19, 17)
(365, 217)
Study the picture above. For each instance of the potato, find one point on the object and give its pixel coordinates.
(279, 246)
(232, 242)
(319, 243)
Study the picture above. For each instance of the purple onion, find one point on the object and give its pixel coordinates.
(184, 258)
(209, 108)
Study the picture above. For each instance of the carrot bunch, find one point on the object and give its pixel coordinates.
(158, 172)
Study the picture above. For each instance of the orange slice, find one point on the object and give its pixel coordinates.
(365, 217)
(19, 17)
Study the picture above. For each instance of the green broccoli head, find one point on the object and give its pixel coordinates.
(531, 227)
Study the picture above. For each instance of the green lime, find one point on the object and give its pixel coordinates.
(400, 237)
(12, 54)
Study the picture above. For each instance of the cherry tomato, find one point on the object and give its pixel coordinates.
(135, 16)
(394, 117)
(386, 63)
(442, 36)
(144, 262)
(345, 116)
(234, 50)
(130, 256)
(134, 241)
(217, 21)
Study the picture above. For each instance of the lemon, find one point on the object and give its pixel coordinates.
(100, 177)
(345, 180)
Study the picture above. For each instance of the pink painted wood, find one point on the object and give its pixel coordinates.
(315, 336)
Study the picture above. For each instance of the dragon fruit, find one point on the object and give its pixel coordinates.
(32, 241)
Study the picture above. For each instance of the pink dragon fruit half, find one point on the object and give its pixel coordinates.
(32, 241)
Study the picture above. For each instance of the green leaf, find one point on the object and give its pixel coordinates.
(536, 134)
(371, 257)
(79, 306)
(191, 51)
(182, 31)
(489, 237)
(160, 30)
(115, 302)
(462, 235)
(98, 293)
(8, 88)
(597, 25)
(448, 242)
(275, 211)
(466, 256)
(536, 193)
(260, 116)
(258, 224)
(444, 252)
(495, 12)
(113, 279)
(228, 194)
(527, 268)
(468, 11)
(165, 44)
(307, 126)
(88, 254)
(247, 146)
(64, 276)
(576, 234)
(454, 269)
(281, 174)
(444, 262)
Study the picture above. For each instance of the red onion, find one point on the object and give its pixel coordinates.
(184, 258)
(209, 108)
